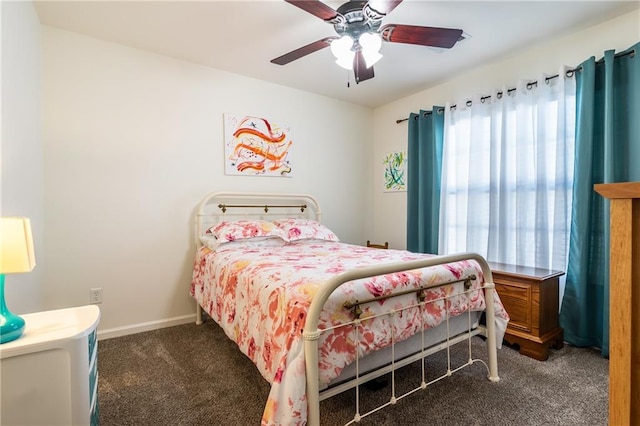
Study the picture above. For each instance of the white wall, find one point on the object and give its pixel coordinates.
(390, 208)
(134, 140)
(21, 171)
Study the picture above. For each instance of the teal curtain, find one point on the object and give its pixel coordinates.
(607, 150)
(424, 167)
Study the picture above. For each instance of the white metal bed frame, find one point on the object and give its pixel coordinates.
(217, 206)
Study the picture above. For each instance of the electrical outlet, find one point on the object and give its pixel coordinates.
(95, 295)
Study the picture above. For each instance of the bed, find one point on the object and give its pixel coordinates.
(318, 316)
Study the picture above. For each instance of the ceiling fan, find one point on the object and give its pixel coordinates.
(354, 22)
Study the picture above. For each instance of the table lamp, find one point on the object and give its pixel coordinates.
(16, 255)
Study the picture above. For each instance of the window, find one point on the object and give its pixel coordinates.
(507, 175)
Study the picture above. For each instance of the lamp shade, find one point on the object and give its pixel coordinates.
(371, 44)
(16, 245)
(342, 50)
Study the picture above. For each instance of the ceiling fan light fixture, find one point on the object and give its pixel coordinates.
(370, 41)
(371, 44)
(358, 24)
(346, 62)
(342, 50)
(371, 58)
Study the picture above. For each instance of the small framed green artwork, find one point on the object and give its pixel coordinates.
(395, 171)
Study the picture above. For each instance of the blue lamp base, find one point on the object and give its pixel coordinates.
(11, 326)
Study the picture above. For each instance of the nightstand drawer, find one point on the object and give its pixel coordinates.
(513, 291)
(516, 300)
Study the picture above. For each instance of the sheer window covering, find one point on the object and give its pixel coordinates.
(507, 174)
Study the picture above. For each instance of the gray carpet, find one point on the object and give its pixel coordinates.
(194, 375)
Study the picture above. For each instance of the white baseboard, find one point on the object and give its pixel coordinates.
(145, 326)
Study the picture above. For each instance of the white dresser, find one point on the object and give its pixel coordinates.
(49, 376)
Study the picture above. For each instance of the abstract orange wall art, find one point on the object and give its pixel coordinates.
(256, 146)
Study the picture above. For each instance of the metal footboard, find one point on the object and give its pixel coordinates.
(312, 334)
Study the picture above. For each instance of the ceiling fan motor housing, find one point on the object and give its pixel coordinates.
(355, 18)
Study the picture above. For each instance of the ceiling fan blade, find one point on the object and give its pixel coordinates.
(316, 8)
(360, 69)
(424, 36)
(303, 51)
(383, 7)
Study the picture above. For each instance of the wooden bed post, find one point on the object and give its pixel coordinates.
(624, 290)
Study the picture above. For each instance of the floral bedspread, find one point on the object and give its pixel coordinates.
(259, 295)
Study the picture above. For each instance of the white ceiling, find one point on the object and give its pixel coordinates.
(243, 36)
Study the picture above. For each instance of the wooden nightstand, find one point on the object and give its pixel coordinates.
(530, 296)
(380, 246)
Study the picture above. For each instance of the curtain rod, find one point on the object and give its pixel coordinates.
(530, 85)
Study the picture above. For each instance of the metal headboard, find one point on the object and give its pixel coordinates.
(218, 206)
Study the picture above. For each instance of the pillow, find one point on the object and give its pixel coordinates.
(228, 231)
(213, 244)
(305, 229)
